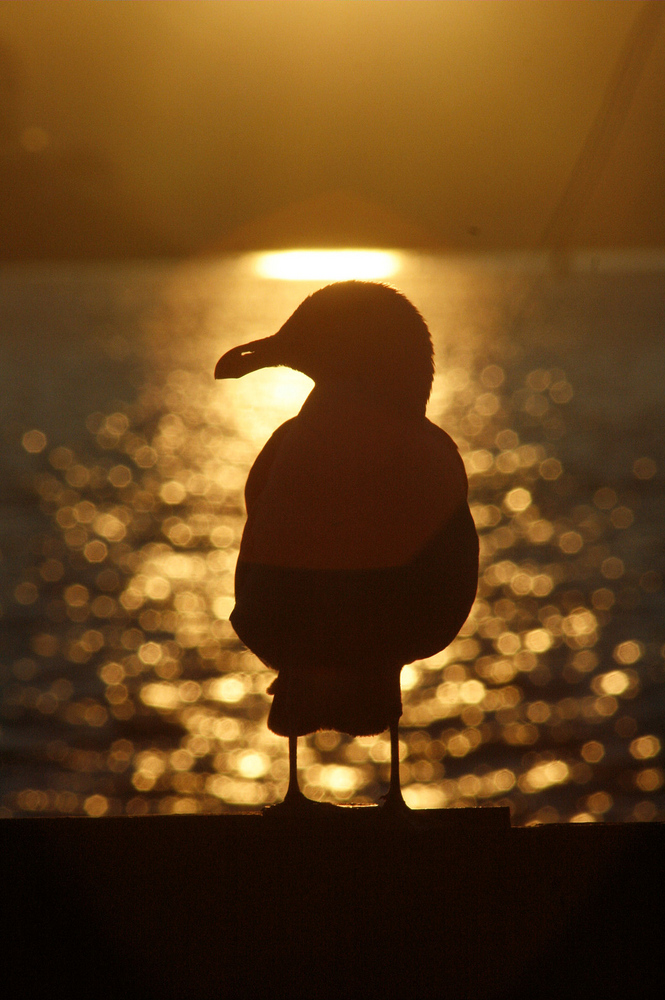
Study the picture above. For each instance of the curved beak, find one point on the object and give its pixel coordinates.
(247, 358)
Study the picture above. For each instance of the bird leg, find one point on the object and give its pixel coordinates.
(293, 794)
(394, 801)
(294, 801)
(295, 804)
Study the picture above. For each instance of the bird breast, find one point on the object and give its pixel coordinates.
(353, 486)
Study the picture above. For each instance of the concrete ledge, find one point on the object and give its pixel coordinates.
(245, 906)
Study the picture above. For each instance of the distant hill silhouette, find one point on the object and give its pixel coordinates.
(333, 219)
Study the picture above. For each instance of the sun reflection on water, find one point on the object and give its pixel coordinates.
(151, 704)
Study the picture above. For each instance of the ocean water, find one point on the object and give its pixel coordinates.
(124, 687)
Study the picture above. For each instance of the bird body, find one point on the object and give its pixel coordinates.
(359, 554)
(350, 484)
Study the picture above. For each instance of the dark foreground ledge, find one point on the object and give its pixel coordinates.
(245, 906)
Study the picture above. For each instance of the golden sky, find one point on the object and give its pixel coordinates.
(486, 125)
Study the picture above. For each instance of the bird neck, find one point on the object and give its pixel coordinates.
(360, 394)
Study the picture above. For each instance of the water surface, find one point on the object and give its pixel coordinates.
(125, 689)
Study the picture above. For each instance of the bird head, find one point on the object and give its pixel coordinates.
(359, 333)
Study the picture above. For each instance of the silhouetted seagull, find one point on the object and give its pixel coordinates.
(359, 554)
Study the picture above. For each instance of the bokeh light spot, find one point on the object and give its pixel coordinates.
(518, 499)
(34, 441)
(644, 747)
(628, 652)
(96, 805)
(644, 468)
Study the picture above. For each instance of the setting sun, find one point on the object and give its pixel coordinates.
(327, 265)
